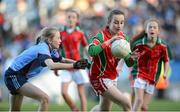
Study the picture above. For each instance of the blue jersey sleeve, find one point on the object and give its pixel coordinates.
(43, 48)
(43, 53)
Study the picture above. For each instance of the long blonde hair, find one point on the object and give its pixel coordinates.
(150, 20)
(143, 33)
(45, 34)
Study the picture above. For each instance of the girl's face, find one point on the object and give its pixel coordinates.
(55, 41)
(152, 30)
(72, 19)
(116, 23)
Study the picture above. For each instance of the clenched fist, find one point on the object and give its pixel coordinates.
(81, 64)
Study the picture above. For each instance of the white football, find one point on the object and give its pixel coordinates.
(120, 48)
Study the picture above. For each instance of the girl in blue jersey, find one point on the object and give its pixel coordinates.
(32, 61)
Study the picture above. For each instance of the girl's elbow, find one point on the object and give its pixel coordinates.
(90, 53)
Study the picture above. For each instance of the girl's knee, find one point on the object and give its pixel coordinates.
(139, 100)
(127, 105)
(45, 98)
(105, 106)
(64, 92)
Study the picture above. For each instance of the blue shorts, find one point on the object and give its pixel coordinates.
(14, 80)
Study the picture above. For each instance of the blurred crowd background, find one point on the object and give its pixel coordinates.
(20, 20)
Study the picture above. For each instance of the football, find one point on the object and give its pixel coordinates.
(120, 48)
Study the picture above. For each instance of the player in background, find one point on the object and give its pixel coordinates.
(103, 74)
(72, 37)
(37, 56)
(139, 33)
(145, 68)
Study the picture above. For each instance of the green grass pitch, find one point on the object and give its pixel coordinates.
(155, 105)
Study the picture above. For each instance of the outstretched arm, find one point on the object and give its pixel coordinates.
(129, 59)
(80, 64)
(67, 60)
(96, 46)
(54, 66)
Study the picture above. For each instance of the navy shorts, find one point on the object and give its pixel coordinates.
(14, 80)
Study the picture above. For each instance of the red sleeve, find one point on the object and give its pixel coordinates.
(84, 41)
(165, 54)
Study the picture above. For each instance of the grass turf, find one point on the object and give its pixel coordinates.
(155, 105)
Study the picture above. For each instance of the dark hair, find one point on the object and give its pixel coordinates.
(45, 33)
(114, 12)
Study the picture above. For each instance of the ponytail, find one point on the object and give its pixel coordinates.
(45, 34)
(38, 40)
(138, 36)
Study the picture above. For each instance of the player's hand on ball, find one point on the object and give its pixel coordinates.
(117, 37)
(81, 64)
(136, 54)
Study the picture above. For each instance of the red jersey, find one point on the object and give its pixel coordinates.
(147, 65)
(71, 43)
(104, 63)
